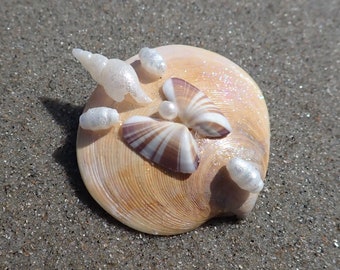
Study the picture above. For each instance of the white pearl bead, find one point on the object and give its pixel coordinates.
(168, 110)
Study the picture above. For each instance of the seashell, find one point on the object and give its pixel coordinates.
(195, 109)
(152, 61)
(98, 118)
(154, 200)
(245, 175)
(168, 144)
(116, 76)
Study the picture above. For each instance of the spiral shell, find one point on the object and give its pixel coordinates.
(152, 61)
(245, 175)
(153, 199)
(116, 76)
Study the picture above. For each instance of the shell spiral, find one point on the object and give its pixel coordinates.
(152, 199)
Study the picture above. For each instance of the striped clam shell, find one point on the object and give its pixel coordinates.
(195, 109)
(165, 143)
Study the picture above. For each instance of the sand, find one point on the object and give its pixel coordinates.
(49, 220)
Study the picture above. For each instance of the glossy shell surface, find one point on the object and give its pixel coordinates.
(165, 143)
(195, 109)
(154, 200)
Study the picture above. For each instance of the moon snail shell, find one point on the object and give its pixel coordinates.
(153, 199)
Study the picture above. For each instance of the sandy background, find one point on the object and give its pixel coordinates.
(49, 221)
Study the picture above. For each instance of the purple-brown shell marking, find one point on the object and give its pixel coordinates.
(195, 109)
(168, 144)
(171, 144)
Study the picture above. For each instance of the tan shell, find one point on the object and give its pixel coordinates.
(151, 199)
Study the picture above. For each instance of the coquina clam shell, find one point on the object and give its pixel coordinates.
(152, 199)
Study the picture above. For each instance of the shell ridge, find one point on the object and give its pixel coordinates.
(147, 143)
(138, 130)
(165, 143)
(188, 161)
(171, 159)
(168, 90)
(211, 124)
(195, 109)
(159, 143)
(195, 102)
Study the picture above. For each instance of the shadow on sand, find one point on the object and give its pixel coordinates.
(67, 115)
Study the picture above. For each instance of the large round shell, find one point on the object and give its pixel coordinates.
(152, 199)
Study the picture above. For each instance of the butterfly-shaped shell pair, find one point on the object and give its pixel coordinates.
(170, 144)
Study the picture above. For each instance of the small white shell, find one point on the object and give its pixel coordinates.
(195, 109)
(117, 77)
(168, 110)
(167, 144)
(245, 175)
(98, 118)
(152, 61)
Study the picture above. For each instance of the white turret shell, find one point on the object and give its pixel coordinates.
(116, 76)
(152, 61)
(98, 118)
(245, 175)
